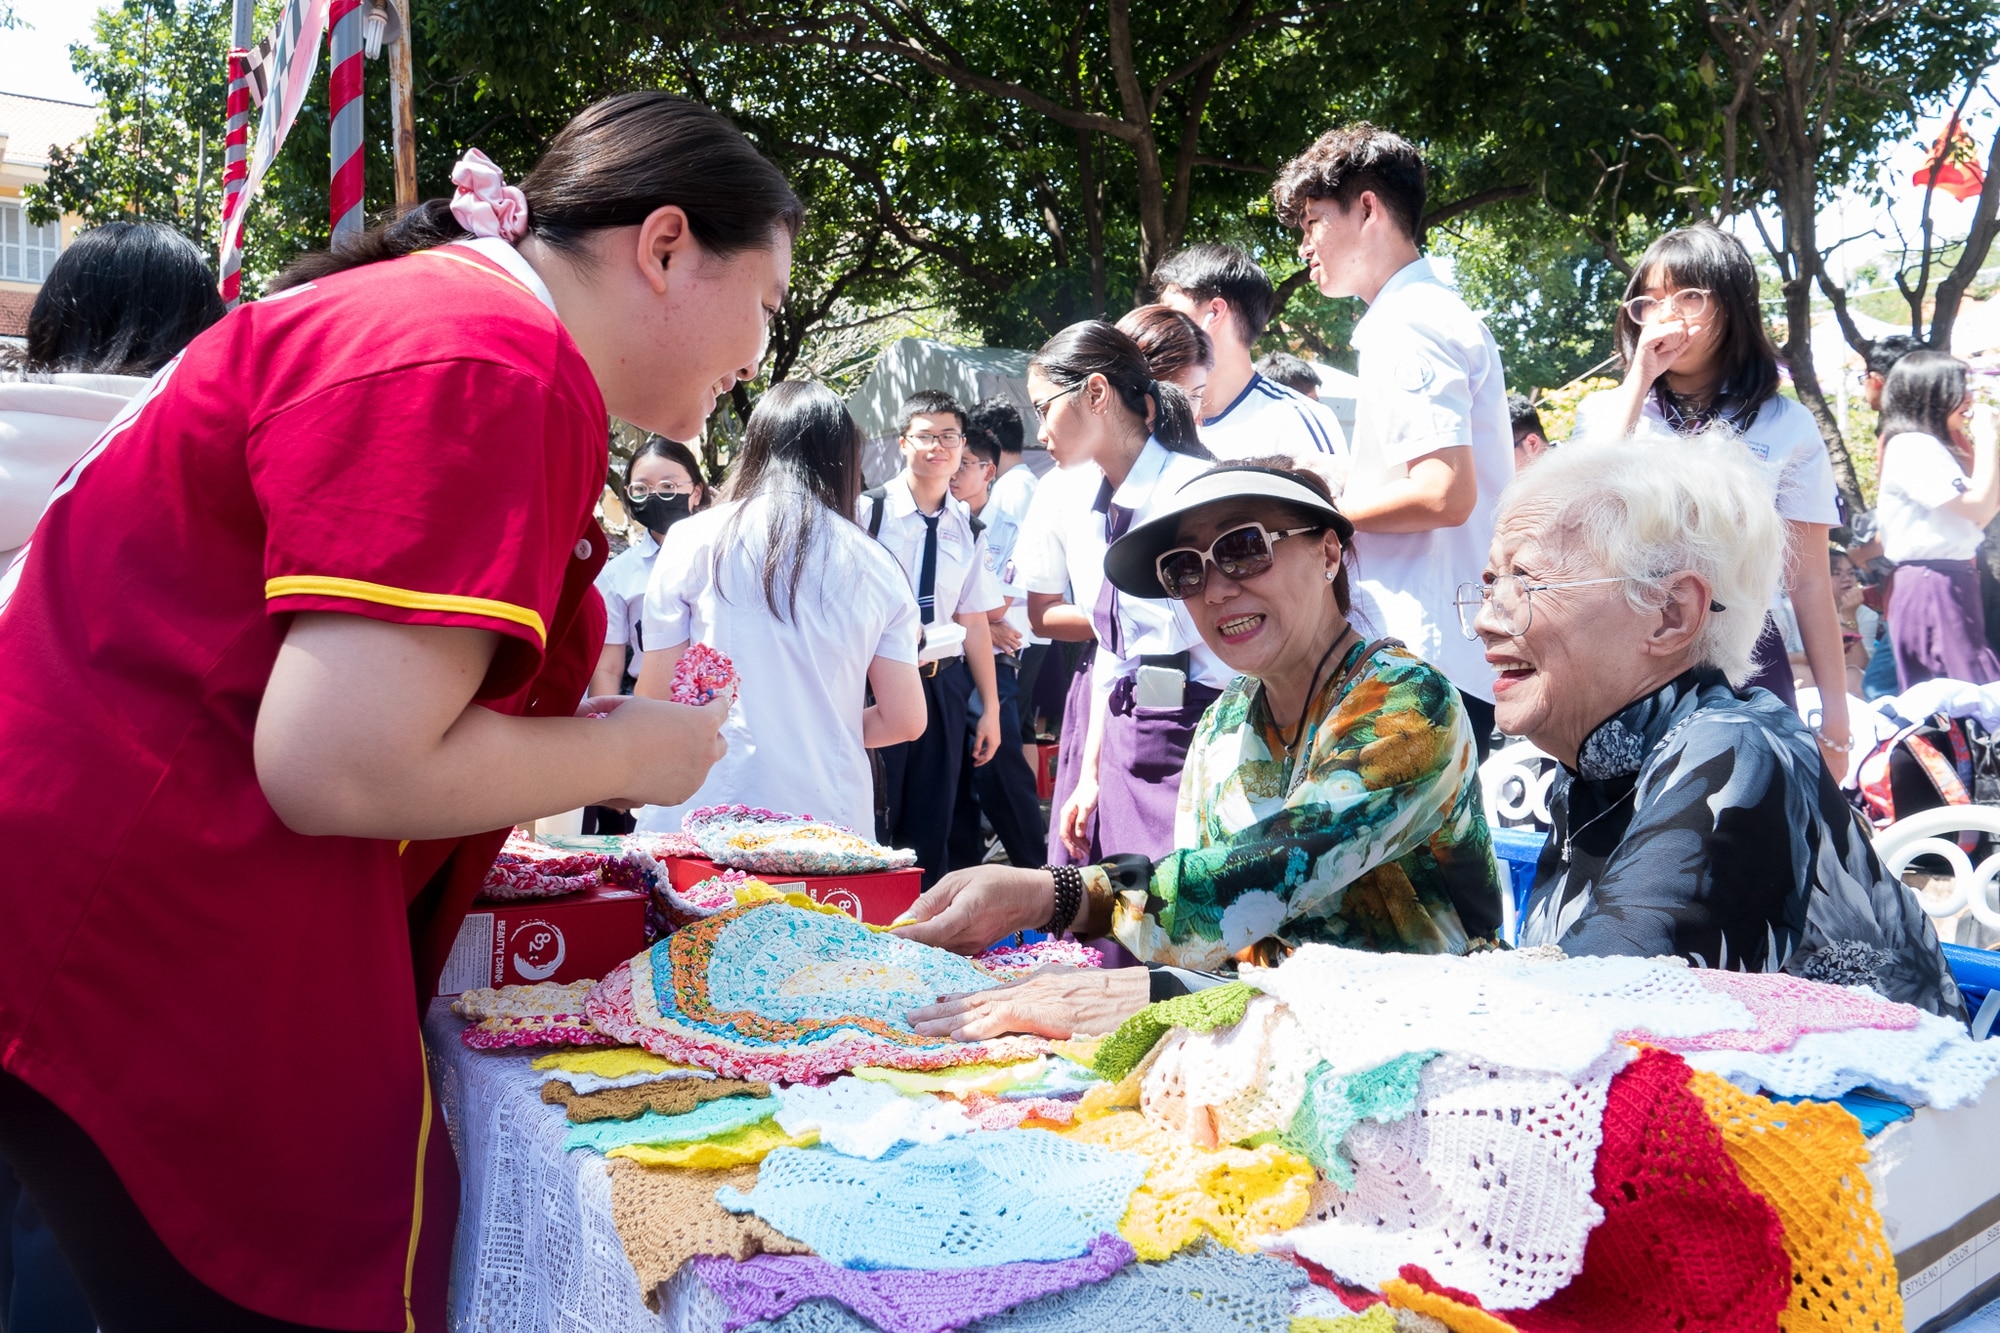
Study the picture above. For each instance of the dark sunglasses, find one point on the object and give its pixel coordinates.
(1241, 553)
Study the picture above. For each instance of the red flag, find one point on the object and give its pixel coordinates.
(1952, 164)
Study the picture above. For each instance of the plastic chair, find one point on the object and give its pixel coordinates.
(1515, 781)
(1977, 971)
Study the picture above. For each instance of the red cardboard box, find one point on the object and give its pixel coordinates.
(557, 939)
(877, 898)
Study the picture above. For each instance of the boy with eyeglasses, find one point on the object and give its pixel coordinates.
(943, 551)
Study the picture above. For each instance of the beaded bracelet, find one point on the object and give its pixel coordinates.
(1069, 898)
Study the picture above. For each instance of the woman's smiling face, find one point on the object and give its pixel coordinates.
(1272, 622)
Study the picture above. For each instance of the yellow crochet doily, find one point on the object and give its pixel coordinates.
(613, 1062)
(1805, 1158)
(959, 1080)
(1232, 1194)
(752, 1143)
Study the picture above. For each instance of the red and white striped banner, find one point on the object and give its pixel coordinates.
(235, 169)
(344, 99)
(289, 73)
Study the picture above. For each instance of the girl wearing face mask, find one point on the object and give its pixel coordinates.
(663, 485)
(261, 755)
(1698, 357)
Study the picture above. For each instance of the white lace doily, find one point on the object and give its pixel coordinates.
(1934, 1064)
(1487, 1184)
(863, 1119)
(1220, 1087)
(536, 1250)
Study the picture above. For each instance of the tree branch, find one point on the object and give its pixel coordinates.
(1446, 212)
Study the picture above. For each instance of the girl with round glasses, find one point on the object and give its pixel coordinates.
(1330, 794)
(1697, 356)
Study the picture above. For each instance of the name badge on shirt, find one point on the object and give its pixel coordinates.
(1413, 374)
(948, 536)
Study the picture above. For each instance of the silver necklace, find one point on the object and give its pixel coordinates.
(1569, 838)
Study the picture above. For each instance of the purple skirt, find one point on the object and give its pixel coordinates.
(1937, 624)
(1069, 759)
(1139, 769)
(1774, 669)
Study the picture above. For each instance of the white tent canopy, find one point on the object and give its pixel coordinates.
(968, 374)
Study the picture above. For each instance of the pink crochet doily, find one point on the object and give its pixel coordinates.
(1016, 961)
(609, 1009)
(700, 675)
(481, 1038)
(1787, 1008)
(989, 1112)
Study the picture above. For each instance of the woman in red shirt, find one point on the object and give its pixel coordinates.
(262, 746)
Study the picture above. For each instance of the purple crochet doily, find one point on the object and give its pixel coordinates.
(899, 1300)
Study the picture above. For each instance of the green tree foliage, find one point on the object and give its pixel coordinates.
(1548, 292)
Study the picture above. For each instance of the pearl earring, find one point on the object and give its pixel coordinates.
(1332, 574)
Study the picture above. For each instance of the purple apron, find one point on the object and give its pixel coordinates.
(1774, 669)
(1139, 769)
(1069, 759)
(1937, 624)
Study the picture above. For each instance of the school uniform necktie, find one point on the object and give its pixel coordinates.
(1104, 617)
(927, 571)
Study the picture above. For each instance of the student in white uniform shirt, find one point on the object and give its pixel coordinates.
(1005, 787)
(1125, 442)
(1244, 415)
(943, 556)
(1691, 334)
(812, 613)
(663, 485)
(1433, 446)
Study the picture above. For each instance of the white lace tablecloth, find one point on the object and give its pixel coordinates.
(536, 1251)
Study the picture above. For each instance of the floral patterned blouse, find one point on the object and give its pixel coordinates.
(1375, 838)
(1702, 822)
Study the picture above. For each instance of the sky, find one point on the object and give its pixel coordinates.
(34, 58)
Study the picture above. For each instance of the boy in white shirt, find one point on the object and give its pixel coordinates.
(1244, 415)
(1004, 788)
(932, 537)
(1433, 445)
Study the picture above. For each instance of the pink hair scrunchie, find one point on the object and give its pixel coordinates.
(484, 203)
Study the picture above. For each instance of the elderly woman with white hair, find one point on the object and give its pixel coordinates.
(1621, 606)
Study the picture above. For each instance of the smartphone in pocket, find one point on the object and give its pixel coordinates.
(1159, 687)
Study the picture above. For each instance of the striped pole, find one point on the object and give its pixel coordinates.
(344, 88)
(236, 147)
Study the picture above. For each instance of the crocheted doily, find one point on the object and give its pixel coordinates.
(1012, 962)
(1204, 1292)
(1235, 1195)
(1684, 1244)
(661, 1097)
(701, 674)
(1361, 1010)
(900, 1301)
(706, 1121)
(964, 1203)
(666, 1218)
(1231, 1084)
(770, 842)
(612, 1067)
(1807, 1160)
(1936, 1063)
(863, 1119)
(1787, 1008)
(766, 991)
(1487, 1183)
(739, 1147)
(1200, 1011)
(1336, 1103)
(548, 1014)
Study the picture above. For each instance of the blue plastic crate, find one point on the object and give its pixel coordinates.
(1517, 850)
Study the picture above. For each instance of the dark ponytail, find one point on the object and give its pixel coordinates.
(612, 166)
(1096, 348)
